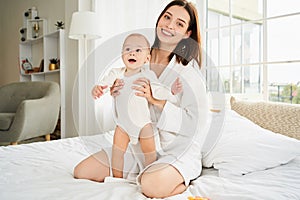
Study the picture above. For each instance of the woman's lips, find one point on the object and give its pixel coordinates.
(167, 33)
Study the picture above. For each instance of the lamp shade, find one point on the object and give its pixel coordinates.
(84, 25)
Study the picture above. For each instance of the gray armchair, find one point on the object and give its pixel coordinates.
(28, 110)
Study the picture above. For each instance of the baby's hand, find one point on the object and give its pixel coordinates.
(98, 91)
(116, 87)
(176, 87)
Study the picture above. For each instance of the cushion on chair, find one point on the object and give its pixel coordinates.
(6, 120)
(13, 94)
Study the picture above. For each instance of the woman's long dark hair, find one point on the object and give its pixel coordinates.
(189, 48)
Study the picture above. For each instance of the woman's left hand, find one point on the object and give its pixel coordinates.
(144, 89)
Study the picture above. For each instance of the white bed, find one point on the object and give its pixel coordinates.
(43, 170)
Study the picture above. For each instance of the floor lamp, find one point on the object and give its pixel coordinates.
(84, 26)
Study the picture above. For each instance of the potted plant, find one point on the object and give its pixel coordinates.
(59, 25)
(53, 63)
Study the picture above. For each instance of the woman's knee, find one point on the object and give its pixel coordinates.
(152, 185)
(95, 167)
(160, 181)
(78, 171)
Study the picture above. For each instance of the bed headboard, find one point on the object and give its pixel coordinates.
(277, 117)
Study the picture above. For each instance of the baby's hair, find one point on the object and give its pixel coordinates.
(138, 35)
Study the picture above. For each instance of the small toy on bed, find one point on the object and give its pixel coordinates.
(197, 198)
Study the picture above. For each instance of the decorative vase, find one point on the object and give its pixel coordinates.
(52, 66)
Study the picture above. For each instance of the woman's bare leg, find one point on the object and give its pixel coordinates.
(161, 181)
(95, 167)
(147, 143)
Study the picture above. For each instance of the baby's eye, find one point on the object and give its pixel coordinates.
(127, 49)
(138, 50)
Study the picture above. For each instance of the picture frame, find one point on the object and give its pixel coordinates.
(26, 66)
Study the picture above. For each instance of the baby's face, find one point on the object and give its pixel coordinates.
(135, 52)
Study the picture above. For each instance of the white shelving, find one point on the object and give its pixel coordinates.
(44, 48)
(36, 28)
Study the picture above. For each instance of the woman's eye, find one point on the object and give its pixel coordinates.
(167, 17)
(180, 24)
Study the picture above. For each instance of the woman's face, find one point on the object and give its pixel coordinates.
(173, 25)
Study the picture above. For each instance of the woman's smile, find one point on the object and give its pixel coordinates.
(167, 32)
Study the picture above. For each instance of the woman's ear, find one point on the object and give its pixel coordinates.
(187, 34)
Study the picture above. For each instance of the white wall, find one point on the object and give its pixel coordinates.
(11, 20)
(71, 68)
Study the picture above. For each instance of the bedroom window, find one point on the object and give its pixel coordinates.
(252, 49)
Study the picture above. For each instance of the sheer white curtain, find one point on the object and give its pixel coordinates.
(120, 16)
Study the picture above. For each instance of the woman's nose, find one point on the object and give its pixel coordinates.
(171, 24)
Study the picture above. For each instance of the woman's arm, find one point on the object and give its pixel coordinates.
(192, 112)
(193, 106)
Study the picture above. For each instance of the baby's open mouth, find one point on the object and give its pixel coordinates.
(131, 60)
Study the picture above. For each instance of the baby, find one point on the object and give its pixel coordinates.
(131, 112)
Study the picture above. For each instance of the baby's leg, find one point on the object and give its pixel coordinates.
(121, 141)
(147, 142)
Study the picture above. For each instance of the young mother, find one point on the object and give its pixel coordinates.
(176, 53)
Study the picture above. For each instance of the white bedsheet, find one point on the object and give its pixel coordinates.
(43, 170)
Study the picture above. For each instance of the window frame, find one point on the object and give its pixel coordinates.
(263, 62)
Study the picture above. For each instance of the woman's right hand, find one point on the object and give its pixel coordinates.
(116, 87)
(144, 90)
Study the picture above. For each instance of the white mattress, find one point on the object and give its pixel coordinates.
(43, 170)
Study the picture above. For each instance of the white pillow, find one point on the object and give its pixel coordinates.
(214, 125)
(244, 147)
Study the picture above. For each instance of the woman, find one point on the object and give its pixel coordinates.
(175, 54)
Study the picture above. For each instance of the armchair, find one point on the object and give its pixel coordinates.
(28, 110)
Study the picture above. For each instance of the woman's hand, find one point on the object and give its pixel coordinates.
(144, 90)
(116, 87)
(176, 87)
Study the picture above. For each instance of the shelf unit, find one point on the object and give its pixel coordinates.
(36, 28)
(44, 48)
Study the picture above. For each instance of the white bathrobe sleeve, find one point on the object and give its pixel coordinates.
(191, 113)
(160, 91)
